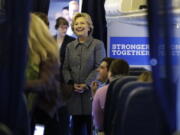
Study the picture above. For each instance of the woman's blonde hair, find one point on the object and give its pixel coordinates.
(41, 44)
(87, 17)
(145, 77)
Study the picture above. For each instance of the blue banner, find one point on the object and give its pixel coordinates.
(135, 50)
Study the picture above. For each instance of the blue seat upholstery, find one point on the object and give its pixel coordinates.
(111, 100)
(141, 116)
(122, 97)
(107, 106)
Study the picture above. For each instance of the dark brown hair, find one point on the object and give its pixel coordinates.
(119, 66)
(61, 21)
(108, 61)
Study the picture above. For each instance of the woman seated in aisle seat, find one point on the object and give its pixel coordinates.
(145, 77)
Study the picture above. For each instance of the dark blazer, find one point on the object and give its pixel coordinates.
(67, 39)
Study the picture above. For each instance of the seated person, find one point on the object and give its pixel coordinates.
(118, 69)
(102, 77)
(145, 77)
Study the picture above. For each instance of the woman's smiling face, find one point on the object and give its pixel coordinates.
(81, 27)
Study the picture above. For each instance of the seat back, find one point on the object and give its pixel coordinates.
(111, 100)
(122, 97)
(136, 71)
(107, 106)
(141, 116)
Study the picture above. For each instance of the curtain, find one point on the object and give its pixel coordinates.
(97, 12)
(164, 64)
(40, 6)
(13, 44)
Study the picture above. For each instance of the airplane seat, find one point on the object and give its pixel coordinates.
(121, 100)
(136, 71)
(107, 106)
(111, 100)
(141, 115)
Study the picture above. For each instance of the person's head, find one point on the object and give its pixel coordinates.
(118, 67)
(41, 44)
(65, 13)
(43, 16)
(145, 77)
(73, 8)
(82, 25)
(103, 69)
(61, 26)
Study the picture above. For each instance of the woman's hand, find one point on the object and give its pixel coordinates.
(80, 87)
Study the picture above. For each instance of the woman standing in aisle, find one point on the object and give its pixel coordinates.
(83, 56)
(42, 86)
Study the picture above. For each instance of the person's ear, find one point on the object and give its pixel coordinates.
(109, 75)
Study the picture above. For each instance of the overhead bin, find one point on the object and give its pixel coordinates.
(116, 7)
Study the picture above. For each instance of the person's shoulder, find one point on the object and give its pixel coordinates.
(97, 42)
(102, 89)
(72, 43)
(100, 92)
